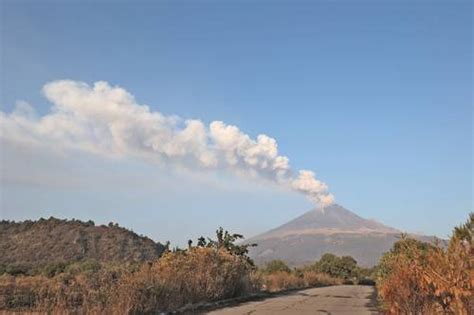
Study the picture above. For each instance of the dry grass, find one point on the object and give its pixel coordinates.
(435, 282)
(90, 293)
(281, 280)
(176, 279)
(315, 279)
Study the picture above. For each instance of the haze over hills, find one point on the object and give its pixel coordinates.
(332, 230)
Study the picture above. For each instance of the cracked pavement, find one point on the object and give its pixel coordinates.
(343, 299)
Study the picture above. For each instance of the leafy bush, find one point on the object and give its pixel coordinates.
(344, 267)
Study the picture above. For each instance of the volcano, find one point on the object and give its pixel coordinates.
(332, 230)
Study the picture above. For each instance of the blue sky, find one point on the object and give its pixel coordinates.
(376, 98)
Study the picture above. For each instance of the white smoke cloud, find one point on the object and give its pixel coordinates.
(106, 120)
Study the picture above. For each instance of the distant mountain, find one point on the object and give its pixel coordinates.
(54, 240)
(332, 230)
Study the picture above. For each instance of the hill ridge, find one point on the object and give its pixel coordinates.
(52, 240)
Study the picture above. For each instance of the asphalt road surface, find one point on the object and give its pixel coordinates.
(343, 299)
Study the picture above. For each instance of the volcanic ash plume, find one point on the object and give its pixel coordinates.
(107, 121)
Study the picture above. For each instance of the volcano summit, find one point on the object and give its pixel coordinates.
(332, 230)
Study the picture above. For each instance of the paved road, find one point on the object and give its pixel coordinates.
(343, 299)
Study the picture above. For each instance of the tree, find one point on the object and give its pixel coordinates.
(227, 241)
(341, 267)
(465, 232)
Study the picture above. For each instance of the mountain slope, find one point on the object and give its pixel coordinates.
(334, 219)
(334, 230)
(54, 240)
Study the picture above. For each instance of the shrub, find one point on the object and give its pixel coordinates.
(183, 277)
(53, 269)
(314, 279)
(420, 278)
(275, 266)
(281, 280)
(87, 266)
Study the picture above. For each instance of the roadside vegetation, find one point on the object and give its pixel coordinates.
(412, 278)
(421, 278)
(276, 276)
(209, 270)
(329, 270)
